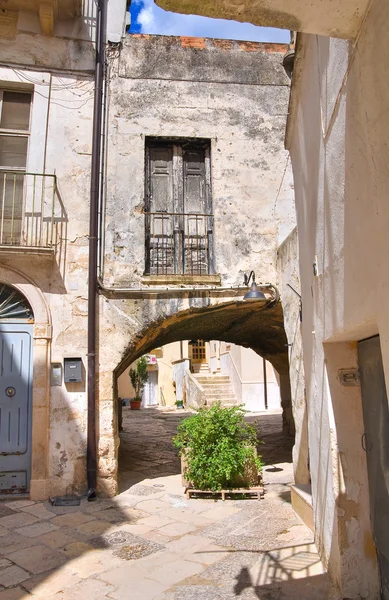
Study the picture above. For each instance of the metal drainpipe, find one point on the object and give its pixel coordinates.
(91, 458)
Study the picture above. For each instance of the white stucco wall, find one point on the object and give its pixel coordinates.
(337, 135)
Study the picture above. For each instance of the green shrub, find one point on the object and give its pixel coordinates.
(217, 444)
(139, 377)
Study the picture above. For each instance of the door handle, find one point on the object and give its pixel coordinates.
(365, 443)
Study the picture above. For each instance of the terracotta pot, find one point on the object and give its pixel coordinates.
(135, 404)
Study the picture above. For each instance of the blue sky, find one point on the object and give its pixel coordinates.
(147, 17)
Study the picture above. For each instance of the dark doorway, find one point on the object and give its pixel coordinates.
(376, 443)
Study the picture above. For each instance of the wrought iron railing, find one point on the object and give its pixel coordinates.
(179, 243)
(31, 210)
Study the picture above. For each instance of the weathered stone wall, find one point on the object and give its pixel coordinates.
(235, 95)
(337, 136)
(60, 143)
(288, 273)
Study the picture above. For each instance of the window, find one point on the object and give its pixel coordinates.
(14, 134)
(197, 350)
(178, 208)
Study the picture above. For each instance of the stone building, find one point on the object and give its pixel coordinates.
(337, 135)
(197, 190)
(46, 105)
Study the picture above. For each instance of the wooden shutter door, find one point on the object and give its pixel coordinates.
(195, 208)
(159, 206)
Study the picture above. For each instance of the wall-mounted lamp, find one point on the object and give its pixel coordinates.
(254, 293)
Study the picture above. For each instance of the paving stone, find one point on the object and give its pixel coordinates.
(4, 562)
(16, 593)
(48, 584)
(188, 543)
(94, 563)
(122, 575)
(145, 589)
(176, 529)
(75, 549)
(14, 541)
(152, 506)
(155, 521)
(39, 560)
(6, 510)
(55, 539)
(93, 528)
(71, 519)
(17, 519)
(17, 504)
(186, 516)
(90, 588)
(37, 529)
(174, 572)
(142, 490)
(3, 531)
(39, 511)
(12, 576)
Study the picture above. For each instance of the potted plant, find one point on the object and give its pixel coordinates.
(139, 377)
(179, 403)
(218, 449)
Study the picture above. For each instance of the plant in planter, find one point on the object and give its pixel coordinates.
(139, 377)
(219, 449)
(179, 403)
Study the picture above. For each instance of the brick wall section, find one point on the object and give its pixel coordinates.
(200, 43)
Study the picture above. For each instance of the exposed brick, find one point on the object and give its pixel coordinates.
(222, 44)
(193, 42)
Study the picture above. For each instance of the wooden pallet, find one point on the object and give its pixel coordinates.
(253, 491)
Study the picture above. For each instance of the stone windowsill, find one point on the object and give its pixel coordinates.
(164, 280)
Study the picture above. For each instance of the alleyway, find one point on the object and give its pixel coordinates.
(151, 543)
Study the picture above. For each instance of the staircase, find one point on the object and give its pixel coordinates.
(217, 388)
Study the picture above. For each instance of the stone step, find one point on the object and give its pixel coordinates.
(213, 381)
(218, 390)
(226, 403)
(218, 393)
(211, 378)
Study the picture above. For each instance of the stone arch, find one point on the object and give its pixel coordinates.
(155, 322)
(40, 383)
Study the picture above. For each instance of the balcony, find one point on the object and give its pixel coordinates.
(32, 216)
(179, 244)
(48, 11)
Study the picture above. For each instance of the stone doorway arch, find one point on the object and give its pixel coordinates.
(254, 325)
(40, 380)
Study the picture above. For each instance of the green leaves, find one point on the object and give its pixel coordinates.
(218, 445)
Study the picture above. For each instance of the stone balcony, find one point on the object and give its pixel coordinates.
(48, 11)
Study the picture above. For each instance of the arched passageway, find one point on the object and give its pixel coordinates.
(252, 325)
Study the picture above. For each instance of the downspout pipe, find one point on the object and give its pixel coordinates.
(91, 457)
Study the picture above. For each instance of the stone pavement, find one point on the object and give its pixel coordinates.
(151, 543)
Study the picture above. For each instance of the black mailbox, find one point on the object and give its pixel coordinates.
(72, 370)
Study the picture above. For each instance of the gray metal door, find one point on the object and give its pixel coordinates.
(376, 443)
(15, 407)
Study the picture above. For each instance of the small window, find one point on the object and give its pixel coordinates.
(178, 208)
(14, 134)
(197, 350)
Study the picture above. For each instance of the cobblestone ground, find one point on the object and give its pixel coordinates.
(151, 543)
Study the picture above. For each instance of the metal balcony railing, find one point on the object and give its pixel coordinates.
(179, 243)
(31, 211)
